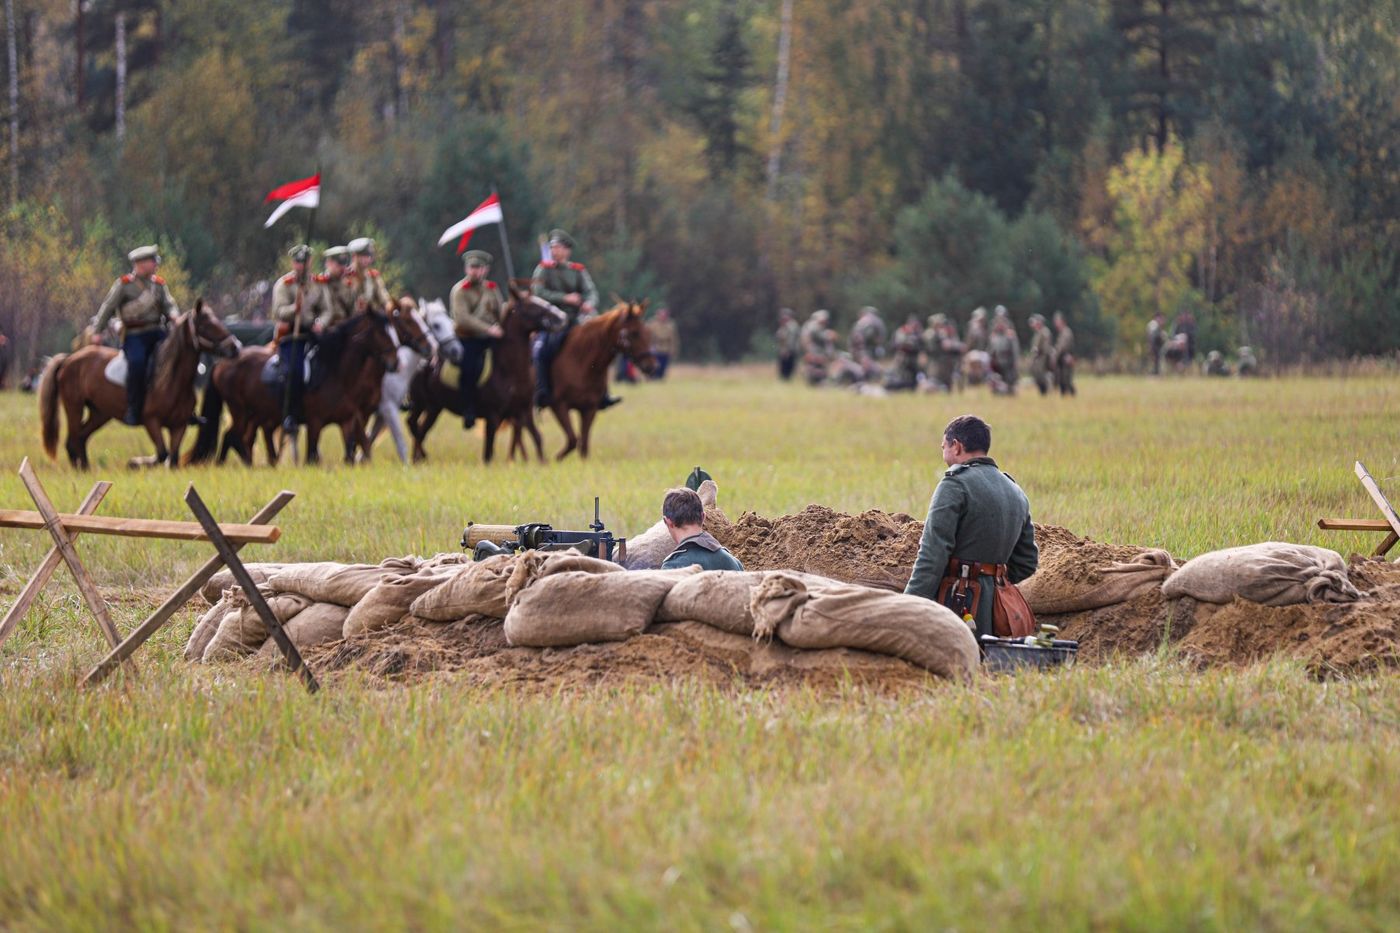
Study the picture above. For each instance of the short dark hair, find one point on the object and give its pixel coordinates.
(683, 507)
(970, 431)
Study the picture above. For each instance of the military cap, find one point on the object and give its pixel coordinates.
(937, 319)
(870, 309)
(559, 236)
(144, 252)
(822, 315)
(979, 313)
(338, 253)
(1037, 318)
(785, 313)
(360, 245)
(300, 253)
(476, 257)
(1000, 311)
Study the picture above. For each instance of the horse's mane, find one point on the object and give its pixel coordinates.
(167, 354)
(606, 319)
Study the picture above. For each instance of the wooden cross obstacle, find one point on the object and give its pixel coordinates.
(64, 529)
(1390, 524)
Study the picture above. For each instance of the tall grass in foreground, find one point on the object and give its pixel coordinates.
(1143, 795)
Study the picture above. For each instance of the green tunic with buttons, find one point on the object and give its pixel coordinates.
(978, 513)
(554, 280)
(702, 549)
(140, 304)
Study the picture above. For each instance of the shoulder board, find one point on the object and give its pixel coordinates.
(289, 278)
(955, 469)
(576, 266)
(373, 273)
(158, 280)
(463, 283)
(128, 279)
(321, 278)
(1009, 476)
(548, 263)
(490, 284)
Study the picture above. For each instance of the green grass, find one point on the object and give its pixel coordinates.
(1140, 795)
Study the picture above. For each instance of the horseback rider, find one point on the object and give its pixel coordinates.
(477, 312)
(296, 303)
(339, 300)
(563, 282)
(142, 302)
(366, 285)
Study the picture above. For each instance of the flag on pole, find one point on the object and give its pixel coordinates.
(487, 212)
(304, 193)
(544, 250)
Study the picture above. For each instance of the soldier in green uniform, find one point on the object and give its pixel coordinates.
(977, 330)
(978, 526)
(143, 304)
(477, 311)
(567, 284)
(944, 351)
(297, 301)
(906, 345)
(1064, 355)
(684, 515)
(339, 297)
(364, 282)
(1042, 354)
(787, 339)
(818, 344)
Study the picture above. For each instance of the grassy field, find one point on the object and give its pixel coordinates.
(1142, 795)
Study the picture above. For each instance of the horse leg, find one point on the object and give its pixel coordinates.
(313, 439)
(177, 437)
(425, 424)
(269, 444)
(585, 418)
(561, 414)
(389, 414)
(157, 436)
(78, 430)
(534, 430)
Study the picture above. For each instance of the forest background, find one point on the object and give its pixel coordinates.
(1238, 159)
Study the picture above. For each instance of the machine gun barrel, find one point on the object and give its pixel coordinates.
(475, 534)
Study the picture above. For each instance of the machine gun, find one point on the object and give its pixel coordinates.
(487, 540)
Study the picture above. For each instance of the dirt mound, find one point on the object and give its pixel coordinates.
(875, 548)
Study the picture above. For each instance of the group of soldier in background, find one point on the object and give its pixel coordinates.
(931, 357)
(1177, 351)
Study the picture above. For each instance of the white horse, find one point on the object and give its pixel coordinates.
(433, 318)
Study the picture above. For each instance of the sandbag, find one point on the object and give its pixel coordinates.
(206, 628)
(315, 625)
(388, 602)
(328, 581)
(806, 614)
(214, 587)
(534, 565)
(1273, 573)
(403, 566)
(243, 632)
(720, 598)
(1050, 594)
(576, 607)
(475, 588)
(647, 550)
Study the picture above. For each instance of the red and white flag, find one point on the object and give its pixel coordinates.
(487, 212)
(304, 193)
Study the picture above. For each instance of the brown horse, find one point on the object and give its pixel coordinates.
(355, 355)
(506, 394)
(579, 373)
(77, 380)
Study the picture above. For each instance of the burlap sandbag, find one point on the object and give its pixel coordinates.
(578, 607)
(1115, 583)
(535, 565)
(647, 550)
(720, 598)
(476, 588)
(213, 589)
(805, 614)
(315, 625)
(1273, 573)
(243, 632)
(388, 602)
(328, 581)
(206, 628)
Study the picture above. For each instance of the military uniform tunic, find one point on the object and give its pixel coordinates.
(476, 307)
(142, 305)
(704, 550)
(339, 299)
(366, 291)
(977, 513)
(554, 280)
(284, 301)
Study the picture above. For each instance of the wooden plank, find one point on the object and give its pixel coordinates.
(1384, 547)
(1378, 497)
(86, 587)
(250, 590)
(139, 527)
(1353, 524)
(167, 609)
(46, 569)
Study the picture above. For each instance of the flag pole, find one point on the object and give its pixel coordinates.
(505, 244)
(296, 317)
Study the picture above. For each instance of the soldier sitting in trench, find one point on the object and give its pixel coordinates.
(684, 515)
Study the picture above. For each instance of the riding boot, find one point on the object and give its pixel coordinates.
(542, 393)
(608, 401)
(135, 394)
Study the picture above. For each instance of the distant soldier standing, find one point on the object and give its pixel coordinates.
(477, 311)
(143, 304)
(664, 340)
(297, 302)
(567, 284)
(818, 345)
(1005, 349)
(906, 345)
(339, 295)
(868, 334)
(1064, 355)
(1156, 342)
(786, 337)
(977, 337)
(978, 533)
(1042, 354)
(365, 282)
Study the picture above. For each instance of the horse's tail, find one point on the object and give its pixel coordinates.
(206, 442)
(48, 403)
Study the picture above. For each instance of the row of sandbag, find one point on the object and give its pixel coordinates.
(566, 599)
(1272, 573)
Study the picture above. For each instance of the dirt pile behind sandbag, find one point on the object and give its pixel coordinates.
(647, 550)
(1076, 573)
(874, 548)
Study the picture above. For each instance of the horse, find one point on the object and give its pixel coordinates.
(354, 355)
(417, 342)
(579, 373)
(506, 395)
(78, 381)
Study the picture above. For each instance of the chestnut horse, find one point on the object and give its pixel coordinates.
(78, 381)
(579, 373)
(508, 389)
(354, 354)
